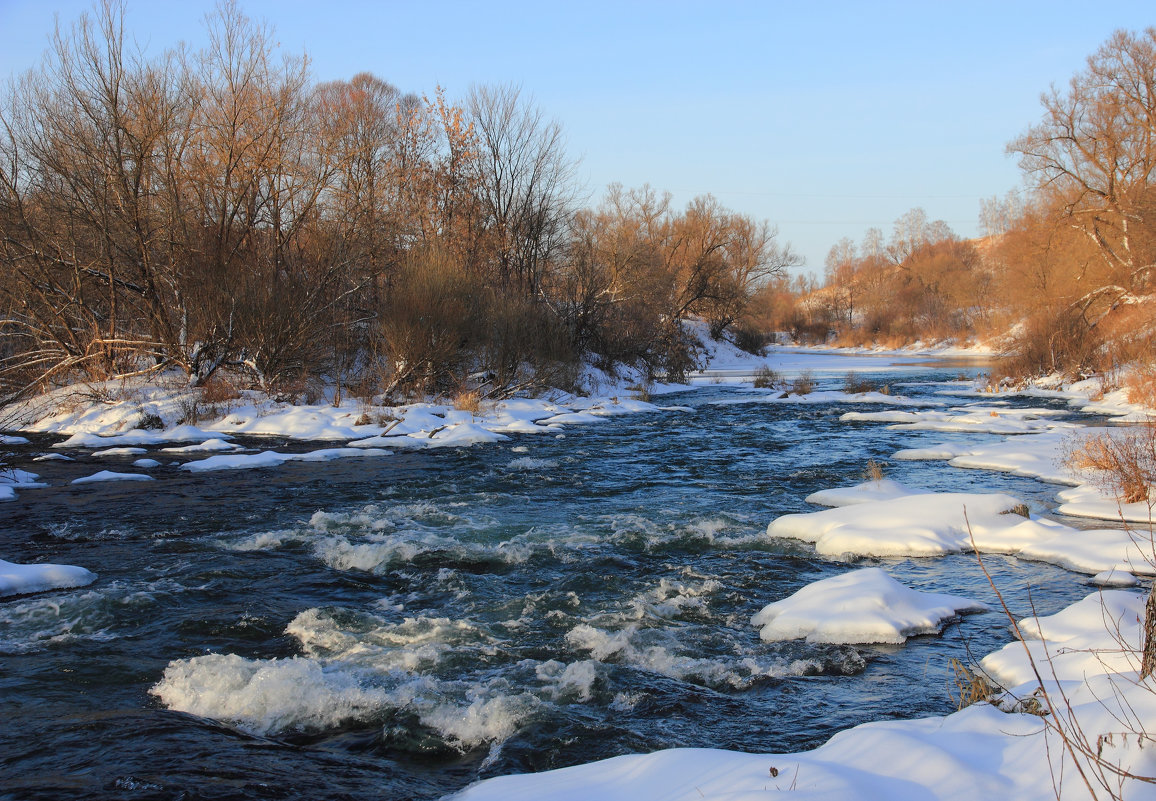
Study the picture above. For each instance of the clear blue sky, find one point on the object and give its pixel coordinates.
(824, 118)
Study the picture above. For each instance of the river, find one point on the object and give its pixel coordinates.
(401, 626)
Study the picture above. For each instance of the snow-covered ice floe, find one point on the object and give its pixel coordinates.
(923, 524)
(966, 419)
(825, 396)
(887, 518)
(22, 579)
(12, 479)
(249, 461)
(1041, 456)
(111, 475)
(863, 606)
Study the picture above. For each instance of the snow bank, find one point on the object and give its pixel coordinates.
(863, 606)
(136, 437)
(21, 579)
(1101, 634)
(979, 752)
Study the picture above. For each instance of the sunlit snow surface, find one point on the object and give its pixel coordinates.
(23, 579)
(862, 606)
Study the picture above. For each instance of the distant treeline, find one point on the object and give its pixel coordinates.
(218, 209)
(1066, 265)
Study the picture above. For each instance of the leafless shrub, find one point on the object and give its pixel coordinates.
(855, 384)
(804, 384)
(766, 378)
(1124, 463)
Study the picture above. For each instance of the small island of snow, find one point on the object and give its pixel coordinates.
(863, 606)
(23, 579)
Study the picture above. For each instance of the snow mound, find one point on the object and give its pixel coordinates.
(863, 606)
(21, 579)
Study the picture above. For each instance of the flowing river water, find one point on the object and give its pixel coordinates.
(398, 627)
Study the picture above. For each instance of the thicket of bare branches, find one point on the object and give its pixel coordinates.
(217, 209)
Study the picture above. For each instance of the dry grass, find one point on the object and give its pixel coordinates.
(873, 470)
(468, 401)
(967, 686)
(1140, 385)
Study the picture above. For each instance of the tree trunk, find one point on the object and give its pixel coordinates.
(1148, 662)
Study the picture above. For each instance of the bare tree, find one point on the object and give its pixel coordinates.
(524, 180)
(1095, 148)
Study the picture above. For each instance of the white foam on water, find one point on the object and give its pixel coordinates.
(531, 463)
(267, 696)
(413, 644)
(34, 624)
(569, 682)
(659, 651)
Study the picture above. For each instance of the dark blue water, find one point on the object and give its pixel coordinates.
(399, 627)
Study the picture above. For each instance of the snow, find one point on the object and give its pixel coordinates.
(923, 524)
(863, 606)
(133, 438)
(979, 752)
(10, 439)
(822, 396)
(1090, 501)
(968, 419)
(248, 461)
(887, 518)
(208, 446)
(120, 452)
(881, 490)
(1101, 634)
(12, 479)
(22, 579)
(109, 475)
